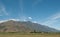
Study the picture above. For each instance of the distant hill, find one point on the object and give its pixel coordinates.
(24, 26)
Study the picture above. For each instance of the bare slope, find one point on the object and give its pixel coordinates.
(21, 26)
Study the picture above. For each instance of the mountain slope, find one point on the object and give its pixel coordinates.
(21, 26)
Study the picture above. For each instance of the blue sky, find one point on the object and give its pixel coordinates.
(45, 12)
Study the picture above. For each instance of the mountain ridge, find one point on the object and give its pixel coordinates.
(24, 26)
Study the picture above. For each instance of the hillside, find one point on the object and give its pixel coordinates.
(24, 26)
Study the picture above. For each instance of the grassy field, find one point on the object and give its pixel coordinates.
(27, 35)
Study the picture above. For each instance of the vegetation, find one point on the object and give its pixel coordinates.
(25, 29)
(17, 34)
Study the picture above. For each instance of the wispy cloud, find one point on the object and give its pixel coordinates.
(56, 16)
(23, 18)
(21, 14)
(52, 20)
(21, 7)
(3, 10)
(36, 2)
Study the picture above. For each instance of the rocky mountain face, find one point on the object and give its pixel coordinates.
(21, 26)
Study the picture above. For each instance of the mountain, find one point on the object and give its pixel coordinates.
(24, 26)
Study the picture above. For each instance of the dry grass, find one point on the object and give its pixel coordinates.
(29, 35)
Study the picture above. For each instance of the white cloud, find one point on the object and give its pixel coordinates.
(52, 20)
(34, 21)
(24, 20)
(56, 16)
(1, 21)
(3, 10)
(30, 18)
(14, 19)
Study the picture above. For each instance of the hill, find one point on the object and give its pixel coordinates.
(24, 26)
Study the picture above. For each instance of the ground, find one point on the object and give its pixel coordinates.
(27, 35)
